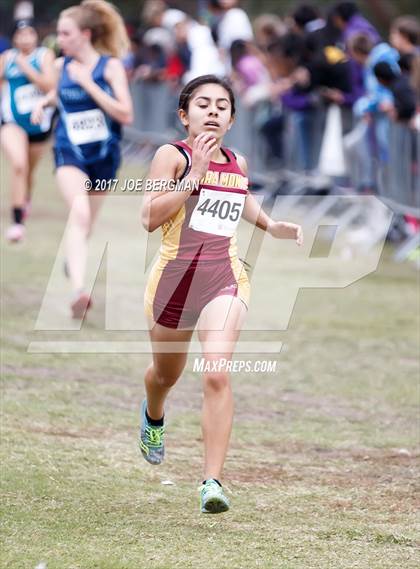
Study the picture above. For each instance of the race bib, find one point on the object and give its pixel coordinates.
(217, 212)
(86, 126)
(26, 98)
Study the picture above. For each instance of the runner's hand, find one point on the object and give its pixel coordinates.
(284, 230)
(203, 147)
(22, 62)
(79, 73)
(38, 112)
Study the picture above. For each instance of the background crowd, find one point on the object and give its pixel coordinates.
(291, 68)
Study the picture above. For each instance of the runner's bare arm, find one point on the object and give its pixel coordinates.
(168, 164)
(254, 214)
(119, 105)
(253, 211)
(43, 79)
(2, 65)
(50, 99)
(116, 75)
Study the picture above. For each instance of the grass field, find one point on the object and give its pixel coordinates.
(323, 464)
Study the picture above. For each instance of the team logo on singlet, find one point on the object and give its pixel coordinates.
(225, 180)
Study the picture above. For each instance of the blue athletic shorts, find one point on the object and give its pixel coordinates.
(103, 169)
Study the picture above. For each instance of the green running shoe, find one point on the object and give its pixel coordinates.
(151, 439)
(212, 498)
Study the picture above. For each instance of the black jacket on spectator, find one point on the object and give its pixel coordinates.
(399, 85)
(328, 64)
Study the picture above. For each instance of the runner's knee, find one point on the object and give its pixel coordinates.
(80, 216)
(216, 381)
(166, 379)
(20, 168)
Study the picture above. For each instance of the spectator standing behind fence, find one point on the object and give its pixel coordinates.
(378, 98)
(248, 71)
(405, 37)
(179, 58)
(338, 78)
(313, 73)
(370, 111)
(155, 44)
(306, 19)
(268, 28)
(403, 107)
(284, 51)
(292, 84)
(348, 19)
(204, 55)
(415, 81)
(152, 12)
(148, 58)
(129, 60)
(232, 23)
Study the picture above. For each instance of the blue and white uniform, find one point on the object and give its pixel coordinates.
(19, 96)
(85, 136)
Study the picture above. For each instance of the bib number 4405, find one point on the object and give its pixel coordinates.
(217, 212)
(221, 208)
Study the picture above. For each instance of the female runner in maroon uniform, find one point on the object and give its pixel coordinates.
(198, 276)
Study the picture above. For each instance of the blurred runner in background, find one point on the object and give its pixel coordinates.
(93, 100)
(26, 74)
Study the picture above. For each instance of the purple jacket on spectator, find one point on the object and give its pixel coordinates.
(296, 100)
(359, 25)
(299, 101)
(357, 83)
